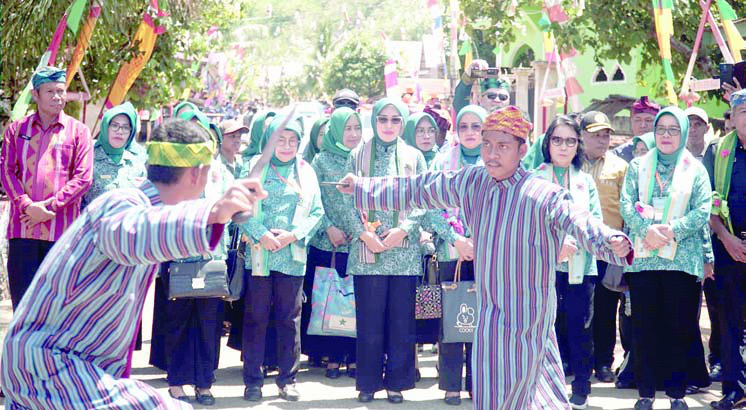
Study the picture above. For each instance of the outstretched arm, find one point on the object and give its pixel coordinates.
(590, 232)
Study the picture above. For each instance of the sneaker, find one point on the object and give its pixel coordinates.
(644, 404)
(578, 401)
(716, 372)
(289, 393)
(679, 404)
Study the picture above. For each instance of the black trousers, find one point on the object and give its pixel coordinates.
(664, 308)
(574, 320)
(384, 310)
(191, 341)
(712, 298)
(452, 356)
(158, 356)
(626, 371)
(283, 295)
(605, 304)
(24, 258)
(731, 285)
(337, 349)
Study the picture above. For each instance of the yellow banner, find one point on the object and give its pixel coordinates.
(83, 40)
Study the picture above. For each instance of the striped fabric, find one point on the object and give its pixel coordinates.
(71, 338)
(39, 164)
(518, 227)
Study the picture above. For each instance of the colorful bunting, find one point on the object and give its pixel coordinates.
(662, 10)
(391, 79)
(83, 40)
(735, 41)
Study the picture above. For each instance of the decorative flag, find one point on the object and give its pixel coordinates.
(83, 40)
(391, 79)
(735, 41)
(466, 51)
(71, 18)
(145, 38)
(662, 10)
(555, 11)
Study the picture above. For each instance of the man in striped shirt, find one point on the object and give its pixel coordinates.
(70, 341)
(519, 223)
(47, 166)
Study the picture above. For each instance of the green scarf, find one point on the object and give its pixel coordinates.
(127, 109)
(378, 107)
(648, 139)
(292, 126)
(410, 136)
(724, 158)
(683, 120)
(311, 148)
(534, 157)
(257, 131)
(332, 142)
(187, 104)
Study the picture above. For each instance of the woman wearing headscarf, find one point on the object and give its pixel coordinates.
(576, 274)
(279, 232)
(642, 144)
(455, 244)
(666, 202)
(317, 135)
(330, 242)
(114, 166)
(385, 261)
(420, 132)
(260, 124)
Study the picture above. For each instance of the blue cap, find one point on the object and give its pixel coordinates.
(48, 74)
(738, 98)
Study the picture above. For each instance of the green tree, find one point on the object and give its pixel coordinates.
(358, 65)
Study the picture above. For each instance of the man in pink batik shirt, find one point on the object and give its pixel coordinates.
(47, 166)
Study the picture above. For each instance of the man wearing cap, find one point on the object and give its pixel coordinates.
(726, 164)
(699, 124)
(346, 98)
(71, 338)
(47, 167)
(608, 172)
(518, 223)
(495, 92)
(642, 116)
(232, 131)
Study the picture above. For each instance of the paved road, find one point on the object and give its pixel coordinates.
(317, 392)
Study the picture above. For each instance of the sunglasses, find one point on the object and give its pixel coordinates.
(386, 120)
(570, 142)
(474, 127)
(346, 103)
(493, 96)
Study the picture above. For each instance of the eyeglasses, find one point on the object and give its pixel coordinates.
(116, 127)
(673, 131)
(290, 142)
(474, 127)
(492, 96)
(422, 131)
(569, 142)
(386, 120)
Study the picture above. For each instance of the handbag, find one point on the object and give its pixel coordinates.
(332, 304)
(235, 264)
(460, 314)
(198, 280)
(614, 279)
(427, 298)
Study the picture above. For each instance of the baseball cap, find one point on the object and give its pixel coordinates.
(345, 94)
(231, 126)
(697, 112)
(594, 121)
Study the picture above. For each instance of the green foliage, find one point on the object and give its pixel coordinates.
(358, 65)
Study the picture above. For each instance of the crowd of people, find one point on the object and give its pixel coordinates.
(545, 229)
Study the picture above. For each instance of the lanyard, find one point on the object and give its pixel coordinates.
(292, 185)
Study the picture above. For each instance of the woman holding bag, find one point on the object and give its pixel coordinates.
(562, 149)
(385, 261)
(343, 135)
(457, 245)
(666, 202)
(280, 230)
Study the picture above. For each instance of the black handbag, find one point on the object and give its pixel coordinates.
(428, 296)
(198, 280)
(235, 264)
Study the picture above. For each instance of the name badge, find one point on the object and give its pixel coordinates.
(659, 204)
(107, 177)
(198, 283)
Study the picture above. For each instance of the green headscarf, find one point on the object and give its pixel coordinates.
(333, 139)
(648, 139)
(311, 148)
(128, 110)
(276, 122)
(257, 132)
(481, 113)
(191, 106)
(202, 120)
(380, 105)
(410, 136)
(683, 120)
(534, 157)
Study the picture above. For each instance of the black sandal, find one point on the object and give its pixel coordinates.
(183, 398)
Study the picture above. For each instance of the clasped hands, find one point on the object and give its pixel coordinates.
(37, 212)
(276, 239)
(658, 236)
(390, 238)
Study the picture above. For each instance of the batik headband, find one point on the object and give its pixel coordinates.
(177, 155)
(644, 105)
(488, 83)
(508, 120)
(47, 74)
